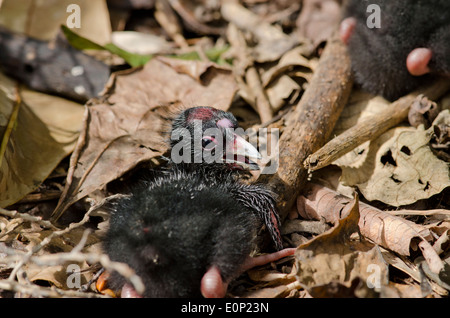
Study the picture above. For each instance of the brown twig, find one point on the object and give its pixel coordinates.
(74, 256)
(261, 100)
(54, 234)
(244, 66)
(371, 127)
(40, 291)
(245, 19)
(28, 217)
(40, 197)
(59, 258)
(191, 21)
(311, 123)
(169, 22)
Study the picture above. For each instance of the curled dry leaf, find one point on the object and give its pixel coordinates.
(292, 59)
(202, 17)
(52, 275)
(319, 19)
(272, 42)
(281, 81)
(271, 283)
(335, 258)
(423, 111)
(392, 232)
(440, 141)
(131, 123)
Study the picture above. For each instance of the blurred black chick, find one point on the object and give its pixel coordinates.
(195, 218)
(409, 46)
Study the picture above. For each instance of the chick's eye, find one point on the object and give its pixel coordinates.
(208, 143)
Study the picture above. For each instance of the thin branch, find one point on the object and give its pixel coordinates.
(40, 291)
(60, 258)
(310, 124)
(54, 234)
(28, 217)
(371, 127)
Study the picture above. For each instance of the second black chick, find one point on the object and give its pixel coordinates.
(171, 230)
(190, 230)
(411, 43)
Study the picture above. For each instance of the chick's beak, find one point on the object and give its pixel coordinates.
(242, 153)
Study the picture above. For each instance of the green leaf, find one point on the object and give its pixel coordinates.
(214, 55)
(81, 43)
(134, 60)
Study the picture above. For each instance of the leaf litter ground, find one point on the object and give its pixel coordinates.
(391, 240)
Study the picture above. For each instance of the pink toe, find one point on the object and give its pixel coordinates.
(417, 61)
(346, 29)
(212, 285)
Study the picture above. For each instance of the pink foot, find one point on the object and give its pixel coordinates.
(417, 61)
(212, 285)
(346, 29)
(129, 292)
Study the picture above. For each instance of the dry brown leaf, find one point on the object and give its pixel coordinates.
(45, 132)
(54, 275)
(334, 258)
(399, 168)
(413, 271)
(25, 236)
(360, 106)
(296, 225)
(272, 42)
(42, 19)
(280, 90)
(318, 19)
(281, 81)
(272, 292)
(423, 112)
(130, 124)
(389, 231)
(294, 58)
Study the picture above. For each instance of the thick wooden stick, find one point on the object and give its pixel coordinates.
(371, 127)
(311, 123)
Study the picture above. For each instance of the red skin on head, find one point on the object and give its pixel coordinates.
(201, 114)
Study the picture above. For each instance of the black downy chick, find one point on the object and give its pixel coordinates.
(217, 147)
(411, 45)
(189, 231)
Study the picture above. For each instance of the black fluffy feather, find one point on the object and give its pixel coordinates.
(187, 217)
(379, 54)
(175, 227)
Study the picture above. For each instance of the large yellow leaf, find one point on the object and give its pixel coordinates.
(42, 19)
(43, 133)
